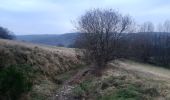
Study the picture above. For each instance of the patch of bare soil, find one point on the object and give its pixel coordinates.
(64, 92)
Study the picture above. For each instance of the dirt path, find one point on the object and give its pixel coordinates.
(64, 92)
(159, 72)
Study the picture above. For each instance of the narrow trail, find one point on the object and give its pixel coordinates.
(64, 92)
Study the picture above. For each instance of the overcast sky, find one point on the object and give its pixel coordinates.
(55, 16)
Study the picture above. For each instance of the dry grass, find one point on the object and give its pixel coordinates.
(50, 60)
(146, 81)
(148, 70)
(121, 83)
(46, 61)
(148, 75)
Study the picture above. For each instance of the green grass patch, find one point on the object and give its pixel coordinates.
(128, 93)
(84, 88)
(67, 75)
(14, 81)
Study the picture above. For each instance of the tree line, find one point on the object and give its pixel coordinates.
(147, 47)
(106, 34)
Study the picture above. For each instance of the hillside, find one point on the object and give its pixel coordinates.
(46, 61)
(61, 74)
(121, 80)
(50, 39)
(13, 52)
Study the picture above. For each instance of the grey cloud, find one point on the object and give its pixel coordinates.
(54, 16)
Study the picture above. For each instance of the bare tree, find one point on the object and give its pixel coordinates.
(166, 26)
(160, 28)
(147, 27)
(101, 29)
(6, 34)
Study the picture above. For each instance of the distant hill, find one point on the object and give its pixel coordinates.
(50, 39)
(67, 39)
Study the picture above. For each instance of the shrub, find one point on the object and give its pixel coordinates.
(83, 89)
(128, 93)
(86, 86)
(14, 81)
(78, 92)
(6, 34)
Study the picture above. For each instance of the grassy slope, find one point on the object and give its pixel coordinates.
(48, 58)
(160, 72)
(122, 80)
(46, 61)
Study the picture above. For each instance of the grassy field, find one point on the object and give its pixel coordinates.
(158, 71)
(58, 73)
(121, 80)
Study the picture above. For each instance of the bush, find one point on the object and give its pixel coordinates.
(78, 92)
(83, 89)
(6, 34)
(14, 81)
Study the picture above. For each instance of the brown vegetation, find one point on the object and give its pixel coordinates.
(45, 61)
